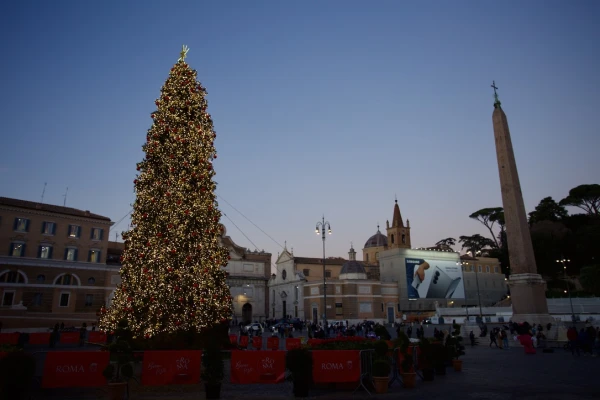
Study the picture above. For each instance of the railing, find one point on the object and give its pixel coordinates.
(366, 370)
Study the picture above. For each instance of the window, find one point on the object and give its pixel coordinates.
(367, 257)
(392, 237)
(94, 256)
(8, 298)
(479, 269)
(403, 239)
(41, 278)
(48, 228)
(74, 231)
(295, 311)
(381, 306)
(67, 280)
(89, 300)
(37, 299)
(338, 309)
(21, 225)
(45, 251)
(296, 293)
(71, 254)
(17, 249)
(306, 272)
(487, 268)
(97, 234)
(495, 269)
(64, 300)
(328, 274)
(472, 268)
(283, 274)
(12, 277)
(92, 281)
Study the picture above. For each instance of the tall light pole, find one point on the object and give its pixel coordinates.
(564, 264)
(477, 282)
(323, 226)
(466, 297)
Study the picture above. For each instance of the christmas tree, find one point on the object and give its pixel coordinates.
(171, 277)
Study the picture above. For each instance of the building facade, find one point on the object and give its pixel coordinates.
(52, 265)
(249, 273)
(287, 285)
(351, 296)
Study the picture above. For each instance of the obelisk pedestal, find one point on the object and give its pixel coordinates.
(527, 288)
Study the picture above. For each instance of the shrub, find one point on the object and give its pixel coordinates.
(381, 368)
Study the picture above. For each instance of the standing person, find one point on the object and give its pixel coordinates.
(572, 338)
(500, 339)
(409, 331)
(493, 338)
(472, 337)
(505, 338)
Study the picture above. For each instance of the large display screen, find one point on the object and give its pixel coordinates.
(434, 279)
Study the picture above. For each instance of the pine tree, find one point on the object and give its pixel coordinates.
(171, 276)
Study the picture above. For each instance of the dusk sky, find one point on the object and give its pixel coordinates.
(330, 107)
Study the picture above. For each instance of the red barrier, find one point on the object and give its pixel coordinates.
(244, 341)
(273, 343)
(180, 367)
(316, 342)
(96, 337)
(261, 366)
(292, 343)
(233, 339)
(257, 342)
(336, 366)
(39, 338)
(9, 338)
(74, 369)
(69, 337)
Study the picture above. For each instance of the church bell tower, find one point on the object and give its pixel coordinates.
(398, 235)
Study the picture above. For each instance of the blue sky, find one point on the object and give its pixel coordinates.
(330, 107)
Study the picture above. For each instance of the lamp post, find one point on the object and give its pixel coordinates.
(323, 226)
(477, 282)
(563, 262)
(466, 297)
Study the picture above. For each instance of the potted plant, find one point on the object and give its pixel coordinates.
(381, 375)
(408, 372)
(119, 370)
(381, 366)
(428, 358)
(456, 348)
(212, 371)
(16, 374)
(299, 363)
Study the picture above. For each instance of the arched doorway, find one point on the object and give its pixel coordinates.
(247, 313)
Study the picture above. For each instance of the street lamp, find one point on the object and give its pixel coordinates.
(568, 291)
(466, 297)
(323, 226)
(477, 282)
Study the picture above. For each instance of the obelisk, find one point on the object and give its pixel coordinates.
(527, 288)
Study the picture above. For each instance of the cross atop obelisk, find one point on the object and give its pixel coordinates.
(527, 289)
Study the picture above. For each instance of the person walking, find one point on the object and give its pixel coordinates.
(572, 338)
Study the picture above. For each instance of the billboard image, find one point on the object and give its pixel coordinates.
(434, 279)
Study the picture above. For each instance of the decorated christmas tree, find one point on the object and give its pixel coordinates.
(171, 277)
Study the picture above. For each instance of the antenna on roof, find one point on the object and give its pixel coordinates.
(43, 192)
(65, 197)
(116, 236)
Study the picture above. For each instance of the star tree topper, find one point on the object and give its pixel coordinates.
(183, 54)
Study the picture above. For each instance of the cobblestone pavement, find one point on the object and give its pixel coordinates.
(488, 374)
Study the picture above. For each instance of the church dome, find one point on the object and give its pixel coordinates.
(377, 240)
(353, 269)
